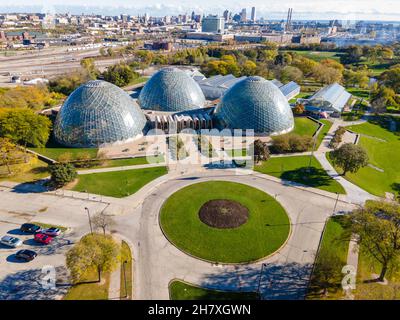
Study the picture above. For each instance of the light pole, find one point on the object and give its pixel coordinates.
(259, 280)
(126, 290)
(337, 199)
(90, 221)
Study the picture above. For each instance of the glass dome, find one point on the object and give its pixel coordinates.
(255, 103)
(98, 112)
(171, 90)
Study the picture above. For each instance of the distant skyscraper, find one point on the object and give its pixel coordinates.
(213, 24)
(253, 14)
(226, 15)
(243, 15)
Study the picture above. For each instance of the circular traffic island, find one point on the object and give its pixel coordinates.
(224, 222)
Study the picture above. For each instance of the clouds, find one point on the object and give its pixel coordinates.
(270, 9)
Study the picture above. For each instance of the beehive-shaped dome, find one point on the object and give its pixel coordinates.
(171, 90)
(96, 113)
(255, 103)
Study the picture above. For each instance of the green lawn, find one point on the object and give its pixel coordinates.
(323, 132)
(304, 126)
(301, 95)
(118, 183)
(180, 290)
(294, 169)
(382, 154)
(54, 153)
(236, 152)
(34, 170)
(358, 92)
(318, 55)
(266, 229)
(126, 255)
(128, 162)
(334, 242)
(92, 290)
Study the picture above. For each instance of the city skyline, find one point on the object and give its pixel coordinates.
(387, 10)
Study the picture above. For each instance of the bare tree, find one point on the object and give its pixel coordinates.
(103, 221)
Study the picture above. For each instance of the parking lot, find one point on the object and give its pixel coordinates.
(24, 280)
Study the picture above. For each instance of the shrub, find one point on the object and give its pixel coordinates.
(291, 143)
(61, 174)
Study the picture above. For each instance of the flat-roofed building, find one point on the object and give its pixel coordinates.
(214, 24)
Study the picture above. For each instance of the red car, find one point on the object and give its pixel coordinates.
(42, 238)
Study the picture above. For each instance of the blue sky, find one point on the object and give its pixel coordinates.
(272, 9)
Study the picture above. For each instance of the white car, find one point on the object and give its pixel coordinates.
(11, 241)
(52, 232)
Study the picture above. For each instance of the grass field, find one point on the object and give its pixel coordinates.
(368, 269)
(118, 183)
(294, 169)
(126, 255)
(236, 152)
(91, 290)
(384, 154)
(54, 153)
(318, 55)
(266, 229)
(323, 132)
(33, 170)
(358, 92)
(333, 243)
(180, 290)
(303, 126)
(127, 162)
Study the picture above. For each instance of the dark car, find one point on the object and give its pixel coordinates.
(27, 255)
(30, 228)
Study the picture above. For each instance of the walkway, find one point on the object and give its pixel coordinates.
(114, 290)
(354, 194)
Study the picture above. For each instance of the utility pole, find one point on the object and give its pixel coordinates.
(312, 152)
(337, 199)
(90, 220)
(123, 266)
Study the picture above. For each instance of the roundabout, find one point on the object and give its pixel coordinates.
(225, 222)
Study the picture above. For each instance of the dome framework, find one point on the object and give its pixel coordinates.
(98, 113)
(171, 90)
(255, 103)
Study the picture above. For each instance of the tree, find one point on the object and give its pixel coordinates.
(327, 271)
(120, 75)
(103, 221)
(95, 251)
(249, 68)
(298, 108)
(7, 152)
(290, 73)
(350, 157)
(89, 66)
(391, 79)
(326, 74)
(377, 225)
(261, 151)
(61, 174)
(24, 126)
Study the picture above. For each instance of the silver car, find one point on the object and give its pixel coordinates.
(11, 241)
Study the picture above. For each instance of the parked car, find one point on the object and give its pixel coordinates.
(42, 238)
(52, 232)
(27, 255)
(11, 241)
(30, 228)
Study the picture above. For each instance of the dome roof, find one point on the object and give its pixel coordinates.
(171, 90)
(98, 112)
(255, 103)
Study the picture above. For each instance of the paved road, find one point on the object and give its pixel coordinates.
(157, 261)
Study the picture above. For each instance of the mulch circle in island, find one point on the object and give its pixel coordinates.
(223, 214)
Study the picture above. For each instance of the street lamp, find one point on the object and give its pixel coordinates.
(126, 290)
(259, 280)
(90, 221)
(337, 199)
